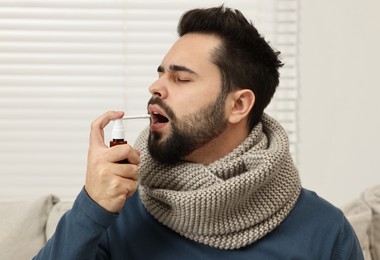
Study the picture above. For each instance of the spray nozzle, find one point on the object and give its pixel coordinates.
(118, 130)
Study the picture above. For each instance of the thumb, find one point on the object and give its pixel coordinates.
(97, 126)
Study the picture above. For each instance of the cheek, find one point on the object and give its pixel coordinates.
(183, 103)
(189, 106)
(189, 99)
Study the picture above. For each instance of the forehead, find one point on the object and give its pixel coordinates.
(193, 50)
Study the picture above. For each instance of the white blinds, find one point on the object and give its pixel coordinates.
(65, 62)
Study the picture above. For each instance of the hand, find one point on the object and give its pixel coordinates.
(110, 183)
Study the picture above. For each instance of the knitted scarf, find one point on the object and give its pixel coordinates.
(230, 203)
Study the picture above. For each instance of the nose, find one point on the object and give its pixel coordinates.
(158, 88)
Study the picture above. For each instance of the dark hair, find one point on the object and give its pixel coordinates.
(244, 58)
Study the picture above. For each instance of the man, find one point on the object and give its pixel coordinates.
(212, 178)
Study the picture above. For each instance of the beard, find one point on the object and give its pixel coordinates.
(188, 133)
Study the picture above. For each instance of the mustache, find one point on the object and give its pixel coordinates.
(159, 102)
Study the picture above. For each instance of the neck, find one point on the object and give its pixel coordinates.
(220, 146)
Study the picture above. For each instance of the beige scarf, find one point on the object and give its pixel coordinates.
(230, 203)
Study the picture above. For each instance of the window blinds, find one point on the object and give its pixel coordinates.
(63, 63)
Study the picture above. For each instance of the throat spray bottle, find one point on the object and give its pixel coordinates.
(118, 135)
(118, 131)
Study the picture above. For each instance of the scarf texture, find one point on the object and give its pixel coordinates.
(230, 203)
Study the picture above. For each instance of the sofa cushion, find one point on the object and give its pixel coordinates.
(55, 215)
(23, 227)
(372, 198)
(359, 215)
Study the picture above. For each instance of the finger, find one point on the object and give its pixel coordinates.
(97, 126)
(121, 189)
(128, 187)
(122, 152)
(132, 187)
(126, 171)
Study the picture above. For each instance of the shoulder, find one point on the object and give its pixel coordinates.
(321, 227)
(314, 213)
(310, 205)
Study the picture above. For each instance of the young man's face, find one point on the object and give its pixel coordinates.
(186, 107)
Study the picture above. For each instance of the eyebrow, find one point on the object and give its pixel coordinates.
(176, 68)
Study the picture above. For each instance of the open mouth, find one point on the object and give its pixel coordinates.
(158, 118)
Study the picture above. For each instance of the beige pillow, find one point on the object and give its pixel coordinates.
(55, 215)
(372, 198)
(359, 215)
(22, 227)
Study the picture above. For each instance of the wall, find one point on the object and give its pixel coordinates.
(338, 100)
(339, 121)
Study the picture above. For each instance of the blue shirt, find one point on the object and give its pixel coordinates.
(314, 229)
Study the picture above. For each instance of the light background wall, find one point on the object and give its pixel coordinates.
(65, 62)
(339, 121)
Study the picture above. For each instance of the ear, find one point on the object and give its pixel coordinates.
(241, 103)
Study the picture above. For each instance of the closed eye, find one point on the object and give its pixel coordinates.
(181, 80)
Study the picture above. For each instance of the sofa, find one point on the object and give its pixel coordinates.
(26, 225)
(364, 216)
